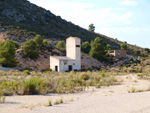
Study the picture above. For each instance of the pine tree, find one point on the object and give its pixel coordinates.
(30, 49)
(98, 49)
(86, 47)
(61, 45)
(7, 53)
(91, 27)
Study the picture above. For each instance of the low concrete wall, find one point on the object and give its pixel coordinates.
(6, 69)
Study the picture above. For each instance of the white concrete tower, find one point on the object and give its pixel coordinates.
(73, 46)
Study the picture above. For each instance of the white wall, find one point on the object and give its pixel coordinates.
(70, 46)
(65, 67)
(6, 69)
(54, 62)
(73, 51)
(78, 54)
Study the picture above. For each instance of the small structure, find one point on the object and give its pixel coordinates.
(73, 59)
(2, 37)
(118, 53)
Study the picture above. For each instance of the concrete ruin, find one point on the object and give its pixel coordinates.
(118, 53)
(72, 60)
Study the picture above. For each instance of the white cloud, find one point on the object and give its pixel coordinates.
(127, 2)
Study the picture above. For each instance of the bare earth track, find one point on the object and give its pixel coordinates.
(113, 99)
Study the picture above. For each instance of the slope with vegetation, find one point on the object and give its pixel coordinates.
(22, 20)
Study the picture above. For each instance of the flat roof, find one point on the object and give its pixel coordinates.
(73, 37)
(63, 58)
(118, 50)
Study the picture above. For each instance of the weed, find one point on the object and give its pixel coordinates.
(49, 102)
(61, 100)
(71, 100)
(133, 90)
(56, 102)
(85, 76)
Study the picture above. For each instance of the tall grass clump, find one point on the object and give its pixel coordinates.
(21, 83)
(33, 85)
(49, 102)
(85, 76)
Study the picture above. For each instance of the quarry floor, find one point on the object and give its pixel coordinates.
(113, 99)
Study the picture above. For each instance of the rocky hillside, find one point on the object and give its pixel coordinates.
(43, 61)
(21, 20)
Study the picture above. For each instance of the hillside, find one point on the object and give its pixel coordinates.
(20, 20)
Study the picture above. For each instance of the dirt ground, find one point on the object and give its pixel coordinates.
(112, 99)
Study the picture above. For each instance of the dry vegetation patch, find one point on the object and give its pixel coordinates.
(30, 82)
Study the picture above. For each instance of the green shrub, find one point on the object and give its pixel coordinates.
(38, 39)
(56, 102)
(49, 102)
(61, 45)
(86, 47)
(33, 85)
(133, 90)
(7, 54)
(45, 43)
(124, 46)
(30, 49)
(85, 76)
(27, 68)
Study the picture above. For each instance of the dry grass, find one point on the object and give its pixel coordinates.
(16, 82)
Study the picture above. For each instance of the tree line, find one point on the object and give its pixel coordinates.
(95, 48)
(31, 49)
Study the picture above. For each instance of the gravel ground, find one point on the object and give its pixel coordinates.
(125, 103)
(113, 99)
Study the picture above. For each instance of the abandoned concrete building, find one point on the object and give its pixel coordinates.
(72, 60)
(118, 53)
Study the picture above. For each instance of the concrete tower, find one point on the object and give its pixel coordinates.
(73, 46)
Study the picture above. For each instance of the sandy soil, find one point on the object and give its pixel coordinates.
(113, 99)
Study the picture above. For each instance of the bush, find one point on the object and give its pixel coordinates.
(86, 47)
(124, 46)
(38, 39)
(85, 76)
(108, 47)
(30, 86)
(61, 45)
(27, 68)
(45, 43)
(30, 49)
(7, 54)
(33, 85)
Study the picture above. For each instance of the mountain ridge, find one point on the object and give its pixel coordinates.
(21, 20)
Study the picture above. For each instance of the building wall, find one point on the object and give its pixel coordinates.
(71, 48)
(64, 65)
(118, 53)
(73, 45)
(78, 54)
(6, 69)
(54, 62)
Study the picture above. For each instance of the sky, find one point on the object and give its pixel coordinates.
(126, 20)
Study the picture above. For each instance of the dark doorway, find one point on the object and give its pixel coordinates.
(56, 68)
(70, 67)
